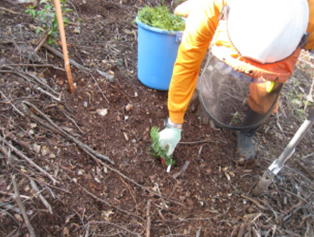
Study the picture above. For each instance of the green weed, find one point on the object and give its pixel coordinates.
(161, 17)
(48, 18)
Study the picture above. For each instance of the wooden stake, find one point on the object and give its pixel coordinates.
(64, 44)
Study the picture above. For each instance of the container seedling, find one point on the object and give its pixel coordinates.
(159, 152)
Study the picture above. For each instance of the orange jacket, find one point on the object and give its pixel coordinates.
(200, 29)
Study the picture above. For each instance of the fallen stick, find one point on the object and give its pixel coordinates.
(241, 231)
(42, 40)
(56, 127)
(8, 10)
(299, 204)
(30, 161)
(34, 86)
(42, 198)
(33, 65)
(198, 233)
(18, 201)
(77, 65)
(115, 225)
(182, 171)
(148, 221)
(108, 204)
(23, 115)
(254, 201)
(305, 168)
(60, 55)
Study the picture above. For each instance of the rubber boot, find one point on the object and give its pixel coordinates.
(245, 143)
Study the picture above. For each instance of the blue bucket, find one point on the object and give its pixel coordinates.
(157, 53)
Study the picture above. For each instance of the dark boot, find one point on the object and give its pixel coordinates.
(245, 143)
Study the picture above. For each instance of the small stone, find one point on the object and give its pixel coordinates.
(129, 107)
(102, 112)
(36, 148)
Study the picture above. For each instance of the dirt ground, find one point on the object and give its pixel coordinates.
(55, 144)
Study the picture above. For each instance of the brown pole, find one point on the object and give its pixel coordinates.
(64, 44)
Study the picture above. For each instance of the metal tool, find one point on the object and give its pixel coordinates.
(279, 163)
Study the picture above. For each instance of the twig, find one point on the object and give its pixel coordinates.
(131, 192)
(108, 204)
(42, 198)
(241, 231)
(305, 168)
(56, 127)
(17, 140)
(11, 194)
(60, 55)
(29, 80)
(255, 232)
(122, 93)
(42, 182)
(34, 65)
(47, 93)
(278, 123)
(115, 225)
(300, 203)
(40, 81)
(309, 95)
(99, 88)
(23, 115)
(8, 10)
(148, 221)
(195, 142)
(68, 116)
(198, 233)
(182, 171)
(79, 66)
(254, 201)
(274, 230)
(30, 161)
(42, 40)
(22, 208)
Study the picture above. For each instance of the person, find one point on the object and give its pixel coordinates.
(251, 44)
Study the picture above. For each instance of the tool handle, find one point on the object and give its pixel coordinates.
(289, 150)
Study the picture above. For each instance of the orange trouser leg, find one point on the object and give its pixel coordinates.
(260, 100)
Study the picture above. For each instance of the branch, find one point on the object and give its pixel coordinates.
(148, 221)
(30, 161)
(18, 201)
(56, 127)
(42, 198)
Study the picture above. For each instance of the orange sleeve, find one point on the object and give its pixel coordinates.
(200, 28)
(310, 28)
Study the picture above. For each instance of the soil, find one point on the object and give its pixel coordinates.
(135, 196)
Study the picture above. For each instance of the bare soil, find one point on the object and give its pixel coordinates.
(89, 196)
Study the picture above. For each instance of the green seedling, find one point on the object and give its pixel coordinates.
(157, 151)
(161, 17)
(48, 19)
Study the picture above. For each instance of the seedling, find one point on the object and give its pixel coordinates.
(161, 17)
(48, 18)
(157, 151)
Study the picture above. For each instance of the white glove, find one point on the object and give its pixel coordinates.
(170, 137)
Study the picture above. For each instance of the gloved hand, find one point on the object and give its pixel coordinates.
(170, 137)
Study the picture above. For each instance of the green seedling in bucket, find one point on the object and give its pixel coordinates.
(159, 152)
(161, 17)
